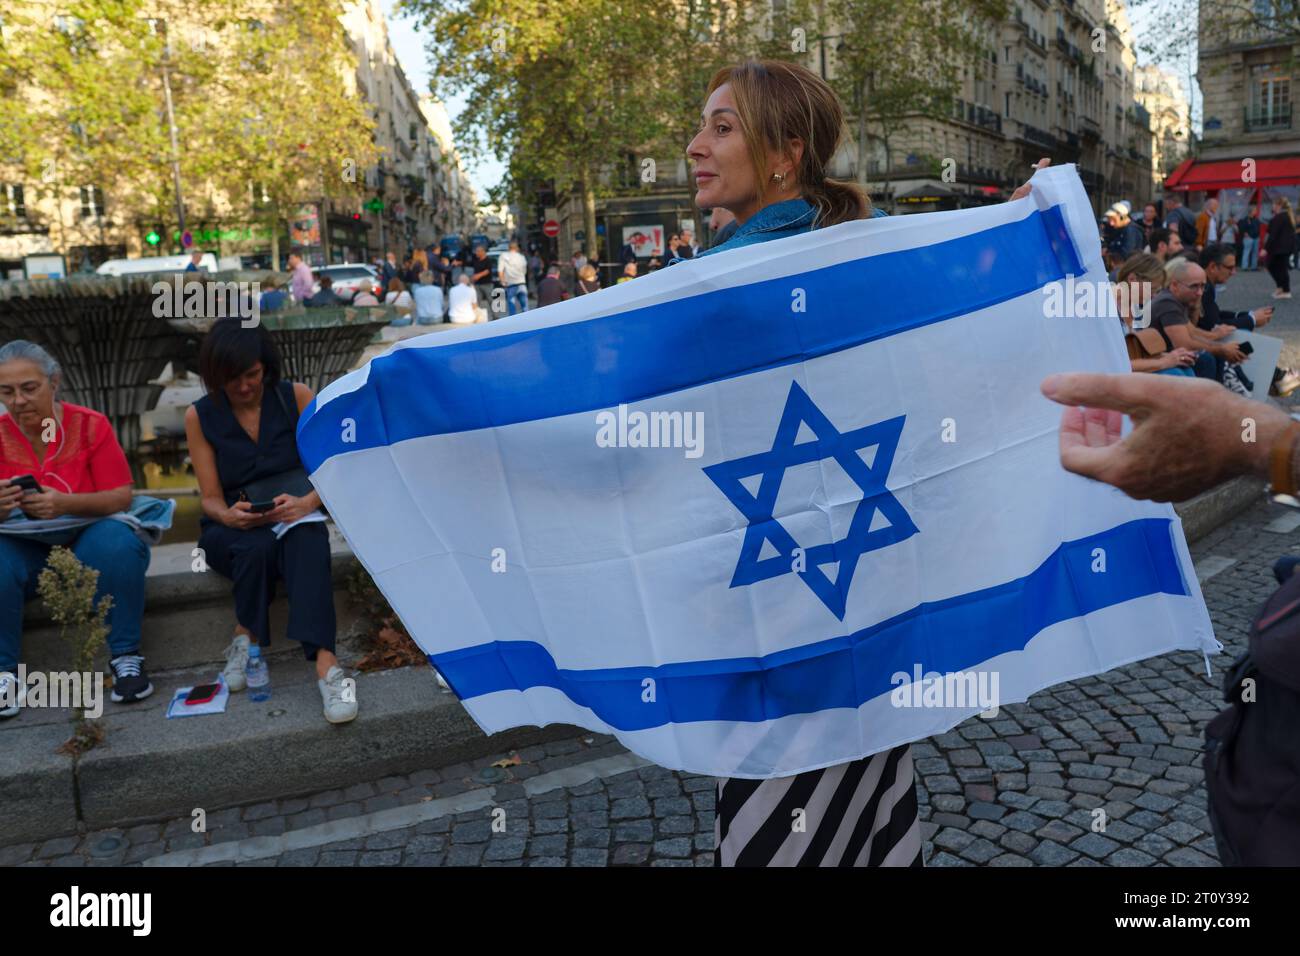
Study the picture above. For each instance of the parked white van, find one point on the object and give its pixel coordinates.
(123, 267)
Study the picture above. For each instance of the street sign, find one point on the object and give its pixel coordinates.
(187, 239)
(551, 228)
(375, 205)
(580, 235)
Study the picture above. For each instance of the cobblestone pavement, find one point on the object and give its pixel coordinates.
(1018, 790)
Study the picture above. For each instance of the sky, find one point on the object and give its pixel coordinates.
(408, 44)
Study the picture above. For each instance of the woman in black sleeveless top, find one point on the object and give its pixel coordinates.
(243, 447)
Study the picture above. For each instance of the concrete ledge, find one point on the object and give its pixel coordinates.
(37, 791)
(1210, 509)
(153, 768)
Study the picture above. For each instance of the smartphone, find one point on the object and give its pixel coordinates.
(1246, 347)
(27, 483)
(260, 507)
(202, 693)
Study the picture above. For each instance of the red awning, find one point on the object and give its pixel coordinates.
(1227, 174)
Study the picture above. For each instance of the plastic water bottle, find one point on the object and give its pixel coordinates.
(259, 678)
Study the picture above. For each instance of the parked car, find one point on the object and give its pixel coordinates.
(346, 276)
(123, 267)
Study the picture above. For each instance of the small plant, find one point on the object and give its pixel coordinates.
(389, 644)
(68, 589)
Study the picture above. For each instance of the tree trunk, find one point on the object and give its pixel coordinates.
(275, 242)
(889, 165)
(862, 147)
(589, 219)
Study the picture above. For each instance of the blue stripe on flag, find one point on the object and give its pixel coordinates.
(637, 354)
(955, 634)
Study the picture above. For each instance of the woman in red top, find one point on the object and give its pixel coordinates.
(75, 460)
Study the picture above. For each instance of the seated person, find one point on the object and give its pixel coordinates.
(463, 302)
(550, 290)
(629, 272)
(1175, 311)
(1140, 277)
(1219, 260)
(242, 443)
(428, 300)
(73, 455)
(400, 300)
(365, 294)
(326, 296)
(273, 297)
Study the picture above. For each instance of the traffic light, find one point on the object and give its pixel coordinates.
(356, 217)
(152, 238)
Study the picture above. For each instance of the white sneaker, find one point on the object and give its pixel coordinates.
(236, 671)
(339, 695)
(12, 694)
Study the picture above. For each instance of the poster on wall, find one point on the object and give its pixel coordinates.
(644, 240)
(304, 227)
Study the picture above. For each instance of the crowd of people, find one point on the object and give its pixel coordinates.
(1168, 275)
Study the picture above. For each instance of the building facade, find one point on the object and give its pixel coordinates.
(1250, 145)
(1058, 79)
(1171, 123)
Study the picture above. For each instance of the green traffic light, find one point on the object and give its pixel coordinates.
(152, 238)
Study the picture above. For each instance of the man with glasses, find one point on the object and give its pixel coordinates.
(1220, 263)
(1171, 311)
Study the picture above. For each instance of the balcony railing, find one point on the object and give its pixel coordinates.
(1261, 119)
(1038, 136)
(983, 116)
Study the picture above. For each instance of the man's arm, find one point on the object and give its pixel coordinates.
(1188, 336)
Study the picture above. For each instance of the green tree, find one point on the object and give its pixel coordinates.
(258, 94)
(84, 100)
(297, 131)
(561, 91)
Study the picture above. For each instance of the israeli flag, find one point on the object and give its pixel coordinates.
(767, 510)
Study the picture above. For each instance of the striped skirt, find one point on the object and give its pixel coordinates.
(862, 813)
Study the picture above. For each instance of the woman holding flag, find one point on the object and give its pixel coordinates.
(769, 131)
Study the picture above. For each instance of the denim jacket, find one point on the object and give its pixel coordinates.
(790, 217)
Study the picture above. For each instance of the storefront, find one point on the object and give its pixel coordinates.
(349, 238)
(1237, 183)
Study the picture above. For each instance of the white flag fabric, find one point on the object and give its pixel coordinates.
(741, 512)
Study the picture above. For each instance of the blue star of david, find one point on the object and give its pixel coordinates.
(772, 465)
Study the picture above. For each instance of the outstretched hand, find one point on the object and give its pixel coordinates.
(1188, 434)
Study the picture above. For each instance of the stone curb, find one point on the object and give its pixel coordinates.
(1213, 508)
(149, 768)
